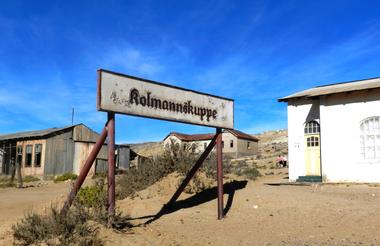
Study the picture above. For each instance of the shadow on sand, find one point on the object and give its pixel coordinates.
(197, 199)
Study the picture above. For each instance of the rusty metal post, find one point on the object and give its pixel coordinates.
(111, 163)
(192, 172)
(219, 158)
(83, 173)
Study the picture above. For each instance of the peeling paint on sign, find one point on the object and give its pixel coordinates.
(135, 96)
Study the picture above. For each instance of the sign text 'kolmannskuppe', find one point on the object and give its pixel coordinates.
(135, 96)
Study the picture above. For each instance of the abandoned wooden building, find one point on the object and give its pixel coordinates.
(55, 151)
(334, 132)
(235, 143)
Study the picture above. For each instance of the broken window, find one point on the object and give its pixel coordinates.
(19, 154)
(248, 145)
(37, 155)
(28, 155)
(370, 138)
(232, 143)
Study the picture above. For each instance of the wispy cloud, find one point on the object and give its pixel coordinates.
(127, 58)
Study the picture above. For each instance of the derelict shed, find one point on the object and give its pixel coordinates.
(334, 132)
(51, 151)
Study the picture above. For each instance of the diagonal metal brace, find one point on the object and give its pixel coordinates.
(193, 170)
(83, 173)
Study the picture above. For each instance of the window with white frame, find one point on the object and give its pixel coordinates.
(312, 127)
(370, 138)
(312, 141)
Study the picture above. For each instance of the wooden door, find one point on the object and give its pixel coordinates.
(313, 155)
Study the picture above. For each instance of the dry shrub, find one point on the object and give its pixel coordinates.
(198, 183)
(53, 229)
(242, 169)
(179, 157)
(176, 158)
(74, 228)
(209, 166)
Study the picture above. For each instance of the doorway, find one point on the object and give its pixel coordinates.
(312, 149)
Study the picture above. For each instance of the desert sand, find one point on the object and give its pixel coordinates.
(268, 211)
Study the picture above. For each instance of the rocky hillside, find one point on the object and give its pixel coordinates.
(271, 145)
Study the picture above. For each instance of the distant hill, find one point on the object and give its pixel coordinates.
(147, 148)
(273, 143)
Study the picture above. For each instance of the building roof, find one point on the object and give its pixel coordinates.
(191, 137)
(35, 134)
(350, 86)
(242, 135)
(209, 136)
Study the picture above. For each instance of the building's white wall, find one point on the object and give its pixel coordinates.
(299, 112)
(167, 142)
(239, 147)
(200, 145)
(341, 116)
(227, 137)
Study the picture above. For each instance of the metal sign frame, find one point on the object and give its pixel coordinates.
(109, 132)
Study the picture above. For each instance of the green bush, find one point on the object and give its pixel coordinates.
(66, 176)
(30, 178)
(91, 196)
(93, 199)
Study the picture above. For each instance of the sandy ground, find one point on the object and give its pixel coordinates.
(264, 212)
(15, 203)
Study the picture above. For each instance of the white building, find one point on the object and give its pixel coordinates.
(235, 143)
(334, 132)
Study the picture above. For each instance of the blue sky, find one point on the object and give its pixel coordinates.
(251, 51)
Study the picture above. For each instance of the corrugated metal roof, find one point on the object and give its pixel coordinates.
(356, 85)
(34, 134)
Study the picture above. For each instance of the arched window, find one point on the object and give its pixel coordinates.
(312, 127)
(370, 138)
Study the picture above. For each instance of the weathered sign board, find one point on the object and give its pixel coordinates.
(125, 94)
